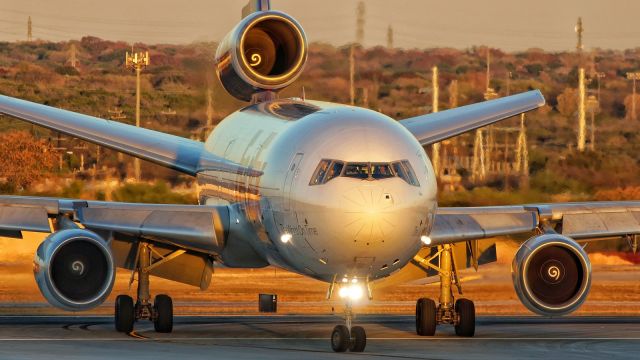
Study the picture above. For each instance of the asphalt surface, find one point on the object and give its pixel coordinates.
(300, 337)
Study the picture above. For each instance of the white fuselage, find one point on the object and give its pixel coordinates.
(365, 228)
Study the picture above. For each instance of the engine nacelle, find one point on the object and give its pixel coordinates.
(551, 274)
(265, 51)
(74, 269)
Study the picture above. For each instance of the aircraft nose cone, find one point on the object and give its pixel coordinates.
(368, 214)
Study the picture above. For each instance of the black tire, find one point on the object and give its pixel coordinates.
(358, 339)
(124, 314)
(340, 338)
(163, 314)
(467, 318)
(425, 317)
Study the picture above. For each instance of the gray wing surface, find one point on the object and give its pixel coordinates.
(580, 221)
(435, 127)
(194, 227)
(175, 152)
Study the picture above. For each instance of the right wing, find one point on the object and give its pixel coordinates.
(189, 235)
(175, 152)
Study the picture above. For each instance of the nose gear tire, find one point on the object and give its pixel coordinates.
(340, 338)
(358, 339)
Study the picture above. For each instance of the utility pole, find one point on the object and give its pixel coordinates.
(633, 76)
(489, 94)
(360, 21)
(29, 30)
(593, 106)
(599, 77)
(389, 37)
(73, 57)
(137, 61)
(435, 148)
(352, 74)
(522, 155)
(581, 111)
(579, 30)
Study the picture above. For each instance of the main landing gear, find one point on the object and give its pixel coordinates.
(461, 314)
(348, 337)
(160, 312)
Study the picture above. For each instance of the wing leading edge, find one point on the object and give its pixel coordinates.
(175, 152)
(580, 221)
(435, 127)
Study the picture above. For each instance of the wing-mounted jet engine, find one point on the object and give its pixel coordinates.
(551, 274)
(265, 52)
(74, 269)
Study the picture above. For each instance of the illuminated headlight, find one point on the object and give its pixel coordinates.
(285, 238)
(353, 292)
(425, 239)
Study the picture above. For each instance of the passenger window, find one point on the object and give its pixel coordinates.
(381, 171)
(320, 172)
(334, 171)
(357, 170)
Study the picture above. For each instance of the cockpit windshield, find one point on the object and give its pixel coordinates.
(330, 169)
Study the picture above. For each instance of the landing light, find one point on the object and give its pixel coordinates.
(425, 239)
(285, 238)
(353, 292)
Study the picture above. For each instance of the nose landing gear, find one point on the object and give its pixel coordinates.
(460, 314)
(348, 337)
(160, 312)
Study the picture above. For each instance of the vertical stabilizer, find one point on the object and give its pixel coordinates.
(254, 6)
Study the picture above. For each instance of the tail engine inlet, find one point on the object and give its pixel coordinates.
(74, 269)
(266, 51)
(551, 274)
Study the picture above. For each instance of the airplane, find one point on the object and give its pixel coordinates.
(338, 193)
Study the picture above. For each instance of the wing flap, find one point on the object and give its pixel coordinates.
(175, 152)
(435, 127)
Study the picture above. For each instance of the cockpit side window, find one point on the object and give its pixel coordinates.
(404, 171)
(321, 171)
(357, 170)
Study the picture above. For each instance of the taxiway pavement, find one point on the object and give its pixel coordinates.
(307, 337)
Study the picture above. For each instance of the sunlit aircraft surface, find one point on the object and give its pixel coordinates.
(339, 193)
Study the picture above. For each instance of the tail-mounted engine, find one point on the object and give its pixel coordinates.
(74, 269)
(551, 274)
(266, 51)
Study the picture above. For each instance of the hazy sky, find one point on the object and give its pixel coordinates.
(506, 24)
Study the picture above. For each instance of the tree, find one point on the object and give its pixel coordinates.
(568, 102)
(24, 159)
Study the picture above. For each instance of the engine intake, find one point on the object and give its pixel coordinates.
(267, 50)
(74, 269)
(551, 274)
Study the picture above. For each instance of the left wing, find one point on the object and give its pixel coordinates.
(580, 221)
(435, 127)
